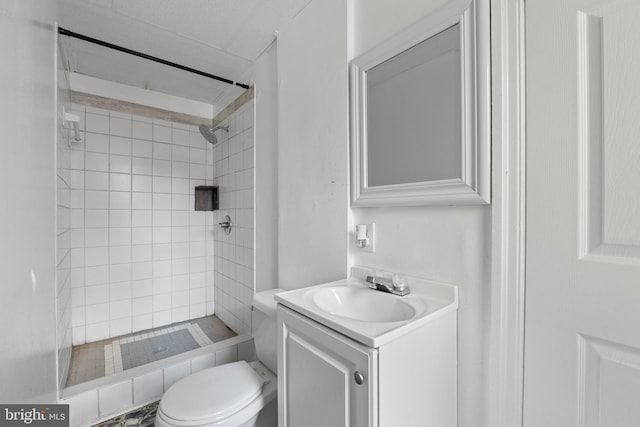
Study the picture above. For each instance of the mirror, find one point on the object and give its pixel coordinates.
(420, 114)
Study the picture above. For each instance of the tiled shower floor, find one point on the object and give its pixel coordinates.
(106, 357)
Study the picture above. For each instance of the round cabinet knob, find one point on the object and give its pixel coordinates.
(358, 377)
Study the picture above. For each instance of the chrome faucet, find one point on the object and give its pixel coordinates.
(384, 284)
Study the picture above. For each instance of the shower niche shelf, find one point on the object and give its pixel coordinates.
(206, 198)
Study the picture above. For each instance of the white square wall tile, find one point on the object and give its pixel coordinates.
(119, 200)
(120, 127)
(161, 133)
(96, 275)
(162, 167)
(162, 252)
(120, 291)
(96, 142)
(162, 151)
(97, 162)
(120, 218)
(141, 253)
(95, 237)
(141, 235)
(227, 355)
(176, 372)
(203, 362)
(79, 338)
(148, 387)
(179, 314)
(142, 270)
(142, 183)
(98, 294)
(97, 331)
(180, 154)
(180, 186)
(142, 130)
(180, 299)
(142, 305)
(161, 201)
(115, 397)
(142, 201)
(161, 184)
(97, 314)
(119, 254)
(120, 309)
(120, 326)
(161, 318)
(77, 160)
(142, 166)
(120, 273)
(96, 180)
(119, 163)
(119, 236)
(96, 256)
(246, 351)
(161, 302)
(120, 145)
(180, 170)
(180, 137)
(119, 182)
(142, 322)
(96, 123)
(95, 199)
(83, 408)
(77, 316)
(181, 202)
(96, 218)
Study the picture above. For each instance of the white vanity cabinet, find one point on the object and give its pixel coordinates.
(327, 379)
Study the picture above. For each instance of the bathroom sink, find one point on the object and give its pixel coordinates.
(369, 316)
(363, 304)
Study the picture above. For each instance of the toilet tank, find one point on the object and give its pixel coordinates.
(264, 327)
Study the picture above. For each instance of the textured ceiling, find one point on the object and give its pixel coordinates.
(220, 37)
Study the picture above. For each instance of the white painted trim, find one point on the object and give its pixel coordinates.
(506, 352)
(473, 186)
(107, 89)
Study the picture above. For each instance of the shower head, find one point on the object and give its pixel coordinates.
(208, 132)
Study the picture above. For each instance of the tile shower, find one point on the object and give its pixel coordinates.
(140, 256)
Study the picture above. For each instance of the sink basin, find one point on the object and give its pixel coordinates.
(363, 304)
(367, 316)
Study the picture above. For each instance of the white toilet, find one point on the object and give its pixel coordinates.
(237, 394)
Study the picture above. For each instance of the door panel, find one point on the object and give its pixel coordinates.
(316, 385)
(582, 346)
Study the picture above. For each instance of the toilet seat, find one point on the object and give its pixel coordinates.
(211, 395)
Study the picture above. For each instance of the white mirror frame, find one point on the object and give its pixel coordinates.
(474, 186)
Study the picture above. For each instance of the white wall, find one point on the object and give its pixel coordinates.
(450, 244)
(264, 79)
(27, 189)
(313, 146)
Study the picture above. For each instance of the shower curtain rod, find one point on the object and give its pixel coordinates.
(68, 33)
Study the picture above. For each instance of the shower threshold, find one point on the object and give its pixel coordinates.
(118, 354)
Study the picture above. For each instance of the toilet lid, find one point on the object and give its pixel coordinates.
(212, 394)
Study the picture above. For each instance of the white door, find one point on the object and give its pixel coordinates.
(582, 324)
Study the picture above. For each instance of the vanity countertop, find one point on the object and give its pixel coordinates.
(427, 301)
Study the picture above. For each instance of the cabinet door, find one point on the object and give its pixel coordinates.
(324, 378)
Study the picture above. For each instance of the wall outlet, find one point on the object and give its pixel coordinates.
(371, 234)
